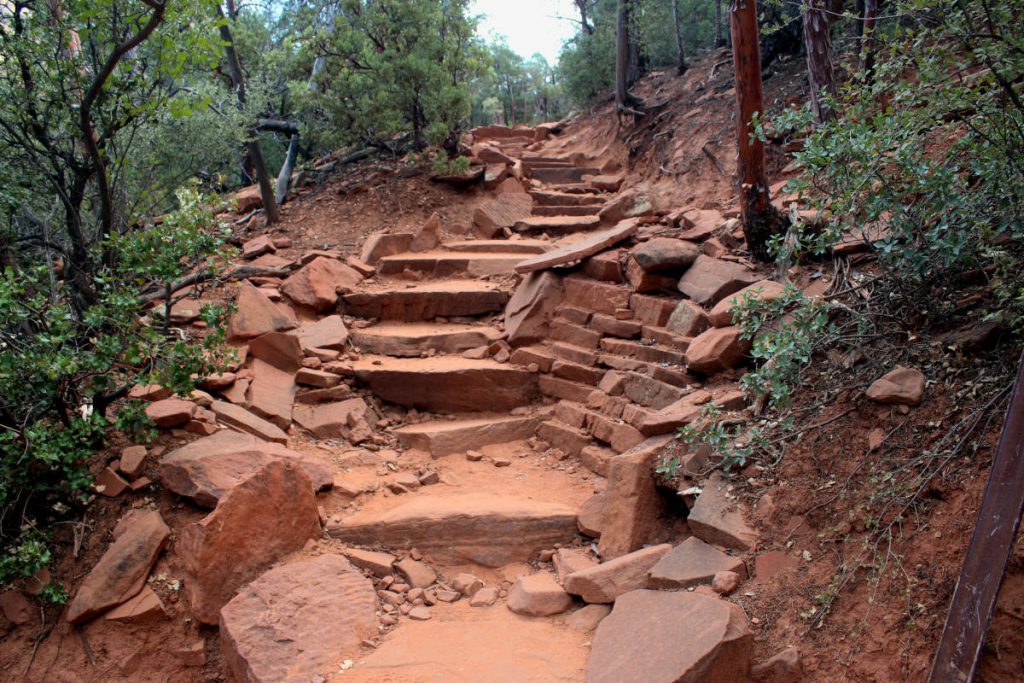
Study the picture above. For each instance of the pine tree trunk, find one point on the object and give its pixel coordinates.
(820, 71)
(868, 43)
(760, 219)
(253, 146)
(624, 101)
(680, 55)
(719, 40)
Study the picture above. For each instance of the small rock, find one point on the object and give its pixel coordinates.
(485, 597)
(467, 584)
(419, 614)
(784, 667)
(416, 573)
(725, 583)
(899, 386)
(502, 462)
(587, 618)
(538, 595)
(447, 596)
(474, 456)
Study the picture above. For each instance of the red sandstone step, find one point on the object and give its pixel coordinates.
(556, 225)
(443, 437)
(571, 174)
(447, 383)
(583, 210)
(546, 198)
(564, 437)
(448, 263)
(410, 340)
(445, 298)
(500, 246)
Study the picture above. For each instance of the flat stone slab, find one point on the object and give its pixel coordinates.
(489, 530)
(206, 469)
(605, 582)
(710, 280)
(410, 340)
(457, 436)
(445, 298)
(505, 246)
(239, 417)
(556, 225)
(298, 621)
(447, 383)
(577, 250)
(717, 519)
(692, 563)
(448, 263)
(659, 637)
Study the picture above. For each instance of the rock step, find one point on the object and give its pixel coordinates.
(447, 383)
(540, 159)
(441, 264)
(563, 436)
(444, 437)
(648, 353)
(546, 198)
(583, 210)
(500, 246)
(571, 174)
(445, 298)
(573, 188)
(410, 340)
(553, 163)
(556, 225)
(490, 530)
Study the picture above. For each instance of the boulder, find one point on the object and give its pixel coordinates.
(605, 582)
(381, 244)
(208, 468)
(538, 595)
(298, 621)
(258, 246)
(271, 393)
(170, 412)
(783, 667)
(263, 518)
(428, 236)
(350, 419)
(665, 254)
(687, 319)
(588, 617)
(326, 333)
(571, 560)
(606, 183)
(417, 574)
(692, 563)
(765, 290)
(590, 520)
(16, 607)
(898, 386)
(660, 637)
(317, 284)
(709, 280)
(717, 349)
(717, 520)
(629, 204)
(529, 312)
(632, 503)
(256, 315)
(278, 349)
(377, 563)
(122, 570)
(501, 212)
(240, 418)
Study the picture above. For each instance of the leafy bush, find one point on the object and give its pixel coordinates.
(926, 158)
(60, 371)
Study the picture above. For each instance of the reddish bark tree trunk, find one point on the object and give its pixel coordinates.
(760, 219)
(867, 44)
(820, 71)
(680, 54)
(719, 40)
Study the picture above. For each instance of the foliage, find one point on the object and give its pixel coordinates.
(733, 444)
(513, 90)
(925, 158)
(59, 371)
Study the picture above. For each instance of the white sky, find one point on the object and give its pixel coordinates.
(529, 25)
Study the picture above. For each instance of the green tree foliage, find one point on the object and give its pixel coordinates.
(926, 153)
(512, 90)
(586, 66)
(394, 66)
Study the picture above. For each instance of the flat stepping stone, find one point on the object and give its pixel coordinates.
(710, 280)
(671, 637)
(586, 210)
(504, 246)
(556, 225)
(444, 437)
(547, 198)
(447, 383)
(490, 530)
(410, 340)
(298, 621)
(692, 563)
(717, 519)
(562, 174)
(579, 249)
(444, 298)
(448, 263)
(240, 418)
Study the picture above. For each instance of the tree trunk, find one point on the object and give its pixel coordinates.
(760, 219)
(582, 6)
(680, 55)
(867, 40)
(624, 101)
(820, 71)
(637, 65)
(253, 146)
(719, 39)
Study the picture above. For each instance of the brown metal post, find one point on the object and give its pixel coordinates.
(974, 600)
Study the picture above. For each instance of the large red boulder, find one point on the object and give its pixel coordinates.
(256, 315)
(122, 570)
(298, 621)
(262, 519)
(317, 284)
